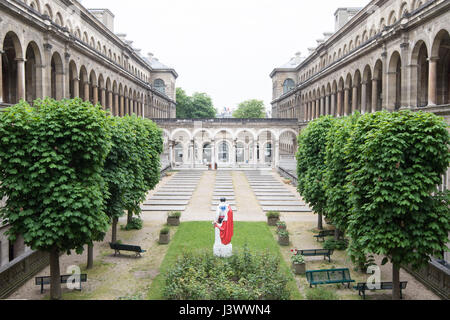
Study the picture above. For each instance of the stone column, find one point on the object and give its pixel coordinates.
(355, 99)
(339, 103)
(213, 154)
(76, 87)
(277, 153)
(171, 143)
(95, 94)
(122, 106)
(103, 98)
(317, 108)
(126, 110)
(327, 105)
(116, 104)
(374, 94)
(333, 103)
(322, 106)
(255, 153)
(193, 154)
(110, 102)
(364, 97)
(20, 79)
(346, 101)
(86, 91)
(1, 77)
(233, 153)
(432, 81)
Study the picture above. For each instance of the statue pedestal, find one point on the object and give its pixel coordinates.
(222, 251)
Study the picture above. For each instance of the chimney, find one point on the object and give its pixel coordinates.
(104, 16)
(344, 15)
(150, 56)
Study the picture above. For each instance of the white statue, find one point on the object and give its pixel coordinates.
(223, 226)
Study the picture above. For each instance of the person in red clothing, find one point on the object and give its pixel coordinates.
(224, 230)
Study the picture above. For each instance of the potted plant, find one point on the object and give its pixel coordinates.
(298, 263)
(173, 218)
(283, 238)
(164, 235)
(287, 181)
(272, 218)
(281, 225)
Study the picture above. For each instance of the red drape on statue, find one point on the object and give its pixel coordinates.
(226, 231)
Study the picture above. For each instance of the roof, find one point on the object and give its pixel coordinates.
(291, 65)
(156, 65)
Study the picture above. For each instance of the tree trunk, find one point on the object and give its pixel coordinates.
(90, 260)
(320, 222)
(130, 216)
(337, 234)
(114, 230)
(55, 275)
(395, 282)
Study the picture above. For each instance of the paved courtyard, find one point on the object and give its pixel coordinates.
(196, 194)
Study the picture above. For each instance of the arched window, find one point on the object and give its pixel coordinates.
(160, 85)
(288, 85)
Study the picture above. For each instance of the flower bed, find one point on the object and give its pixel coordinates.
(244, 276)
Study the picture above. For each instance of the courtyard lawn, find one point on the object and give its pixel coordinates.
(199, 236)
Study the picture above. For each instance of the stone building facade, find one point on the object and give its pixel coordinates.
(389, 55)
(229, 143)
(59, 49)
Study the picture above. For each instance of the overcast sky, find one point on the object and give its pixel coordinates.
(225, 48)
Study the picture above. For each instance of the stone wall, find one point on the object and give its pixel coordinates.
(435, 276)
(16, 273)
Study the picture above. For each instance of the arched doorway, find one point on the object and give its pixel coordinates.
(179, 153)
(56, 77)
(33, 78)
(440, 69)
(395, 82)
(10, 72)
(207, 153)
(224, 152)
(240, 152)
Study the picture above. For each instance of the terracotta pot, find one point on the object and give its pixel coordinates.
(171, 221)
(299, 268)
(283, 241)
(272, 221)
(164, 238)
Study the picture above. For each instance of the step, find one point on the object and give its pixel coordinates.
(216, 203)
(168, 193)
(231, 198)
(290, 197)
(268, 194)
(283, 203)
(166, 203)
(175, 189)
(286, 209)
(170, 198)
(163, 208)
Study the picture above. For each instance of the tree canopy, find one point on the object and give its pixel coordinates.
(197, 106)
(51, 162)
(250, 109)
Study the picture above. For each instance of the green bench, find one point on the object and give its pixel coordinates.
(41, 281)
(326, 253)
(332, 276)
(363, 287)
(117, 247)
(325, 233)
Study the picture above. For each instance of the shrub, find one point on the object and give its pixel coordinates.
(165, 230)
(135, 224)
(332, 244)
(272, 214)
(283, 233)
(297, 258)
(321, 293)
(281, 224)
(174, 214)
(244, 276)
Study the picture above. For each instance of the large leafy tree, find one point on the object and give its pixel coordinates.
(397, 159)
(146, 167)
(197, 106)
(250, 109)
(51, 163)
(311, 165)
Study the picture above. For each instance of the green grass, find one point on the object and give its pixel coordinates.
(199, 236)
